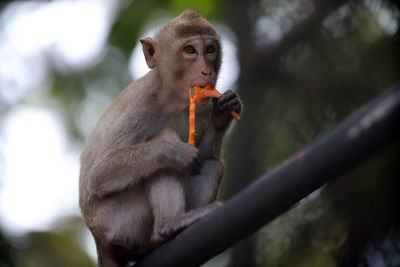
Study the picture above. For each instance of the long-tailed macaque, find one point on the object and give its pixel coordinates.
(140, 182)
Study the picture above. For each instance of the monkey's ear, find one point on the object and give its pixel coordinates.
(149, 47)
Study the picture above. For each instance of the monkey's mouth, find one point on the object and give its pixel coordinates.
(202, 85)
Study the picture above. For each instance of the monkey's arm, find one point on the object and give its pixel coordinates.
(202, 188)
(122, 167)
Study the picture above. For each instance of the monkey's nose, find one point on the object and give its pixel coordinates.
(206, 73)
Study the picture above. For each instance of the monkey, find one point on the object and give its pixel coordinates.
(140, 182)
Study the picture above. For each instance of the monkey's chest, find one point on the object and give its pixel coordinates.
(180, 122)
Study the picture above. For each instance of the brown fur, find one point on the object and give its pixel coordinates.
(140, 182)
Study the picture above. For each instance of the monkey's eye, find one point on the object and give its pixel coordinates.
(190, 49)
(210, 49)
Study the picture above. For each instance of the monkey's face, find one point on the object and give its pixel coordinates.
(195, 63)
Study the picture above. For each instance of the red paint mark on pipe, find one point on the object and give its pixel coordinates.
(300, 158)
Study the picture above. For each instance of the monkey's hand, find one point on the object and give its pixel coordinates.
(180, 155)
(229, 101)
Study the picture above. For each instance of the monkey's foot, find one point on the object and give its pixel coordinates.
(176, 225)
(164, 233)
(157, 239)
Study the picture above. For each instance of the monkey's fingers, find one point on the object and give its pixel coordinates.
(226, 97)
(197, 166)
(230, 99)
(232, 105)
(193, 168)
(194, 162)
(208, 91)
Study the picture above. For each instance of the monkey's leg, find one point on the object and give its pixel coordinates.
(202, 189)
(167, 199)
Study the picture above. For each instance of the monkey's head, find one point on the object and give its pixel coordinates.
(186, 52)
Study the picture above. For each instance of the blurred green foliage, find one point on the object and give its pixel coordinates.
(62, 247)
